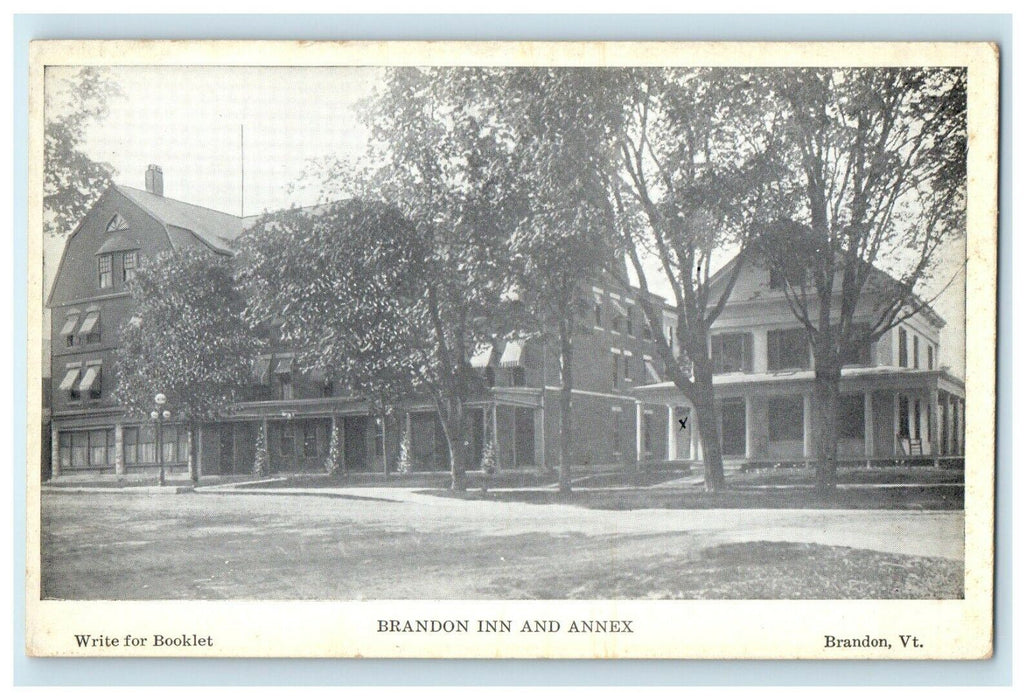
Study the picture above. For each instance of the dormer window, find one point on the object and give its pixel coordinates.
(104, 277)
(129, 263)
(117, 223)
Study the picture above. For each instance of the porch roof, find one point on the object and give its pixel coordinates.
(853, 378)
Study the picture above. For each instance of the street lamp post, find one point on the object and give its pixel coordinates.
(159, 415)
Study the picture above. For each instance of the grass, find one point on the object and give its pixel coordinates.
(759, 570)
(947, 497)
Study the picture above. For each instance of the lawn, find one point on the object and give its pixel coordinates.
(758, 570)
(934, 497)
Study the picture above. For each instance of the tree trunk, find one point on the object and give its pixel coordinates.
(706, 410)
(566, 388)
(191, 457)
(454, 425)
(383, 444)
(826, 396)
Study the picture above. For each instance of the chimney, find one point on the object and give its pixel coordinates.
(155, 182)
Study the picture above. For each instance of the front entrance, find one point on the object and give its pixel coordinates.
(733, 427)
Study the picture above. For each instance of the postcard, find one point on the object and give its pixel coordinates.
(512, 349)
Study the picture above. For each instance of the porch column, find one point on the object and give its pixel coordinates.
(934, 425)
(961, 424)
(494, 431)
(896, 423)
(542, 466)
(55, 452)
(672, 434)
(748, 421)
(638, 431)
(806, 427)
(869, 429)
(120, 462)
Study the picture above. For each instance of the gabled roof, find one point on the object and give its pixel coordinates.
(216, 229)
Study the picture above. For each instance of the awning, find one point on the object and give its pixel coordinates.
(69, 380)
(89, 378)
(482, 355)
(70, 322)
(89, 323)
(513, 355)
(654, 376)
(283, 365)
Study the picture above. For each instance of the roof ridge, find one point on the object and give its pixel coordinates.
(180, 201)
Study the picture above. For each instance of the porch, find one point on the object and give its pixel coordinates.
(885, 414)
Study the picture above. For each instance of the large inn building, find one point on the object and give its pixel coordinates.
(898, 403)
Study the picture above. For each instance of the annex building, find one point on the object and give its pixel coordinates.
(898, 402)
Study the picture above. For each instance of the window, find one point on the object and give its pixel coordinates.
(918, 418)
(68, 329)
(117, 223)
(932, 359)
(104, 270)
(647, 432)
(851, 416)
(631, 326)
(616, 432)
(327, 389)
(615, 323)
(98, 447)
(145, 448)
(80, 448)
(89, 332)
(287, 439)
(598, 315)
(616, 371)
(64, 441)
(309, 441)
(519, 377)
(785, 418)
(788, 349)
(130, 438)
(732, 352)
(129, 262)
(627, 367)
(915, 353)
(489, 376)
(169, 440)
(95, 386)
(902, 348)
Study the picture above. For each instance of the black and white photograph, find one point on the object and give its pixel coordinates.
(402, 328)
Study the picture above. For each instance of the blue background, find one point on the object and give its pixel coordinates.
(997, 671)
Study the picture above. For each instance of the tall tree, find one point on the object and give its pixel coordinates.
(188, 337)
(876, 184)
(341, 284)
(694, 175)
(564, 236)
(438, 158)
(72, 181)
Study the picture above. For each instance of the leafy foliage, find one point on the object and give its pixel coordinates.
(333, 453)
(405, 464)
(188, 339)
(875, 163)
(261, 465)
(340, 283)
(72, 181)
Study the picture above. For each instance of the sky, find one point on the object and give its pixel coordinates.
(188, 120)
